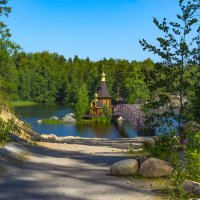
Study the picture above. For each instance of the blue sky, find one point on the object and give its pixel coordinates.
(88, 28)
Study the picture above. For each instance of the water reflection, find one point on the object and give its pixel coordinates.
(120, 127)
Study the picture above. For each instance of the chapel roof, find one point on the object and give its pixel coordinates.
(102, 89)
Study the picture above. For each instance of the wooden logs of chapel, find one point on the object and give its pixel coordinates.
(101, 99)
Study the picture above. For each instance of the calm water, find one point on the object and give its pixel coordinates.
(32, 114)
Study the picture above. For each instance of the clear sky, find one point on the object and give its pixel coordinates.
(88, 28)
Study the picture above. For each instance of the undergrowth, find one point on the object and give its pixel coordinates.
(167, 147)
(6, 128)
(52, 121)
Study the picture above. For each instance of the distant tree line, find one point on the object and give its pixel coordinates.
(48, 77)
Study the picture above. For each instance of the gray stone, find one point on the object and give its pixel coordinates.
(52, 137)
(69, 118)
(124, 168)
(120, 119)
(191, 187)
(54, 118)
(49, 137)
(71, 114)
(154, 167)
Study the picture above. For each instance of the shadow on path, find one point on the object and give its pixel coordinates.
(59, 174)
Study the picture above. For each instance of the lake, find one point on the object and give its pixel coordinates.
(31, 114)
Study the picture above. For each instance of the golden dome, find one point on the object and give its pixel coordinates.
(95, 95)
(103, 77)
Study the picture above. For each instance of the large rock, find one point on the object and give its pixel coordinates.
(124, 168)
(191, 186)
(49, 137)
(69, 118)
(70, 114)
(154, 167)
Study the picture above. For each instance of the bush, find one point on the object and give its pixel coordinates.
(6, 128)
(102, 119)
(190, 168)
(165, 147)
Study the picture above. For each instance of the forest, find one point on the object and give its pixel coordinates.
(48, 77)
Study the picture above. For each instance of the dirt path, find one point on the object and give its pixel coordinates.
(73, 170)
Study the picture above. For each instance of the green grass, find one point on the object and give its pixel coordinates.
(52, 121)
(23, 103)
(101, 120)
(134, 153)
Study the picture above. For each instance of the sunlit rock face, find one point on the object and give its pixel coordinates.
(124, 168)
(154, 167)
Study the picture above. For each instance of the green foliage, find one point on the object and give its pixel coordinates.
(81, 107)
(8, 72)
(106, 111)
(52, 121)
(102, 119)
(4, 9)
(188, 169)
(178, 48)
(192, 153)
(165, 148)
(22, 103)
(192, 108)
(131, 148)
(6, 128)
(27, 125)
(47, 77)
(3, 101)
(8, 75)
(136, 88)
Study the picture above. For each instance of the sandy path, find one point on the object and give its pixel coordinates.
(77, 170)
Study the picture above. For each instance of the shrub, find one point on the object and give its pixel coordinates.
(192, 153)
(188, 169)
(6, 128)
(165, 147)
